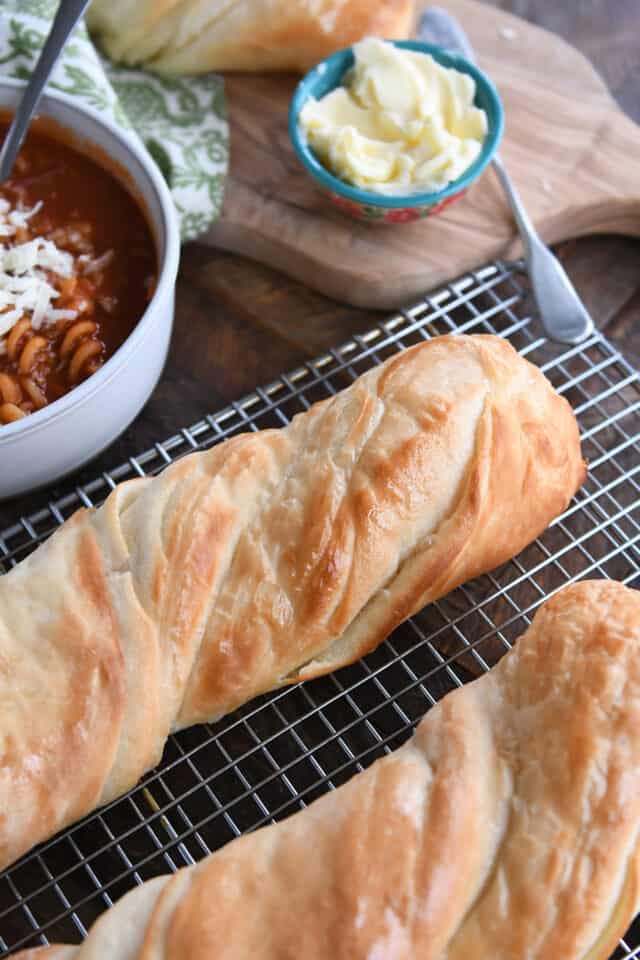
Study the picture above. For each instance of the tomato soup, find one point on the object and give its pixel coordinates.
(77, 269)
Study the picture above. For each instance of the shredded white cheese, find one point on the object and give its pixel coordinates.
(25, 289)
(92, 265)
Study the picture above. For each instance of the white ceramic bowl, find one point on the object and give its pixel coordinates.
(56, 440)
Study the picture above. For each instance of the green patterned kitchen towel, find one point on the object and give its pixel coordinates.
(181, 121)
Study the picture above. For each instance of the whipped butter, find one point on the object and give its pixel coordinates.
(402, 123)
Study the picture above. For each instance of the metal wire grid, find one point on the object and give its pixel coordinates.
(279, 752)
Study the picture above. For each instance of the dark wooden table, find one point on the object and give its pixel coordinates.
(239, 324)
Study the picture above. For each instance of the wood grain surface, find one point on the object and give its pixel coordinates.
(239, 324)
(573, 154)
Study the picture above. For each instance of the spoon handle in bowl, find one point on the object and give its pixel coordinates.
(69, 12)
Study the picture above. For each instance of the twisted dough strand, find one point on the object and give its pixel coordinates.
(274, 557)
(506, 829)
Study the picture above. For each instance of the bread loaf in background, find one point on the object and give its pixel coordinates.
(274, 557)
(506, 829)
(195, 36)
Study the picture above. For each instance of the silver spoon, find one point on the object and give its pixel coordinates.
(66, 18)
(562, 312)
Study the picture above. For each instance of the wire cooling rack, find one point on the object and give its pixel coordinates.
(280, 751)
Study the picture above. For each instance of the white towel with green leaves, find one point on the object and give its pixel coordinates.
(181, 121)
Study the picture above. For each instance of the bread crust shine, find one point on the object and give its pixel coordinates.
(506, 829)
(174, 36)
(274, 557)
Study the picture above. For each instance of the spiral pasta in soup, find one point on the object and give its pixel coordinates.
(77, 269)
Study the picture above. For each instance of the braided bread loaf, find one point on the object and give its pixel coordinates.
(274, 557)
(195, 36)
(506, 828)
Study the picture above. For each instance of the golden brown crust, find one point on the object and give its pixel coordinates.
(68, 706)
(515, 453)
(274, 557)
(251, 35)
(507, 827)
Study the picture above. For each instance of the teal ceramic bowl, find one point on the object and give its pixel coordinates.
(376, 207)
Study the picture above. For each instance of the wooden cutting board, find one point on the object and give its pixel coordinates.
(572, 153)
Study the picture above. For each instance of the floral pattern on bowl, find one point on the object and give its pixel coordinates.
(366, 211)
